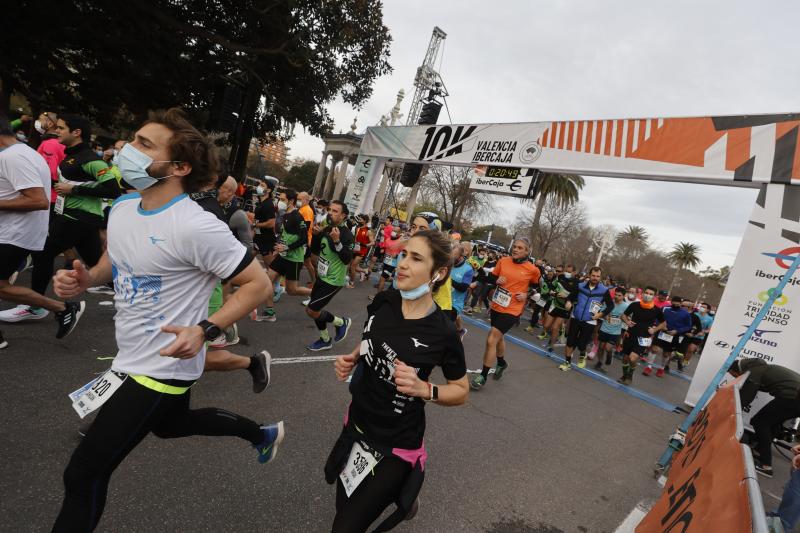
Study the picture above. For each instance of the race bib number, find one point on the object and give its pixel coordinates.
(501, 297)
(358, 467)
(541, 303)
(389, 260)
(95, 393)
(664, 336)
(614, 321)
(58, 208)
(322, 266)
(645, 341)
(595, 307)
(680, 339)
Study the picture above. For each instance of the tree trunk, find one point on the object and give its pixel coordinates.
(674, 280)
(240, 147)
(537, 218)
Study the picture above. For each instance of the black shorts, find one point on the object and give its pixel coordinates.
(558, 313)
(379, 254)
(610, 338)
(12, 258)
(579, 334)
(387, 272)
(502, 321)
(631, 345)
(321, 295)
(288, 269)
(666, 346)
(265, 245)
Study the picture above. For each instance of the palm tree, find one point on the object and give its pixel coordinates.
(564, 188)
(632, 242)
(683, 255)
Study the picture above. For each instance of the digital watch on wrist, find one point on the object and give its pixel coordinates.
(210, 330)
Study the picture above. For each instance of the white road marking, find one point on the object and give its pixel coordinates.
(632, 520)
(303, 359)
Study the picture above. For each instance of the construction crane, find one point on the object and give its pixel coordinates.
(427, 77)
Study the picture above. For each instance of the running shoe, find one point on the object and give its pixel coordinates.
(268, 448)
(660, 373)
(625, 381)
(267, 316)
(306, 302)
(599, 366)
(680, 364)
(3, 342)
(219, 342)
(530, 329)
(647, 371)
(232, 335)
(765, 471)
(542, 336)
(462, 333)
(371, 297)
(68, 318)
(467, 310)
(498, 371)
(608, 359)
(476, 309)
(341, 331)
(582, 362)
(477, 382)
(261, 373)
(319, 345)
(279, 290)
(23, 312)
(565, 367)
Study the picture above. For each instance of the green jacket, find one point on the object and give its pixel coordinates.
(776, 380)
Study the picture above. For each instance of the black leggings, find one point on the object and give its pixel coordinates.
(64, 233)
(121, 424)
(371, 498)
(767, 422)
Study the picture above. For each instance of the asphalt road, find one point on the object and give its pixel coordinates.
(539, 451)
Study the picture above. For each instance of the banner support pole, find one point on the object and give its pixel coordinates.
(675, 444)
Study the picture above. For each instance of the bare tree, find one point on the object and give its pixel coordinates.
(448, 189)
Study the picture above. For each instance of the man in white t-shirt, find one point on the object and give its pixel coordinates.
(165, 255)
(24, 204)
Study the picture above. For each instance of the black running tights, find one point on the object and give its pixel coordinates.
(121, 424)
(371, 498)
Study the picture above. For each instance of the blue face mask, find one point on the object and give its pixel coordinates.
(133, 165)
(420, 291)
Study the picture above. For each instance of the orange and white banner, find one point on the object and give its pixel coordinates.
(733, 150)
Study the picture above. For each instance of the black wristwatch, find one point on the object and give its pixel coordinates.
(210, 330)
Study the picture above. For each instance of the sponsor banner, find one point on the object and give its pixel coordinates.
(706, 489)
(736, 150)
(508, 181)
(769, 245)
(366, 175)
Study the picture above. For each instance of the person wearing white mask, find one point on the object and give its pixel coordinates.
(50, 148)
(405, 337)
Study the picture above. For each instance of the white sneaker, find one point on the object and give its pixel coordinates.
(232, 335)
(22, 312)
(306, 301)
(218, 343)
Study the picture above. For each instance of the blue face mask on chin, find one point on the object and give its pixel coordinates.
(133, 165)
(422, 290)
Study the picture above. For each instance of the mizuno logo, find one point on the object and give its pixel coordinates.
(156, 240)
(417, 344)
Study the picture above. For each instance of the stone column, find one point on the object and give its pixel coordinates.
(329, 181)
(337, 191)
(320, 174)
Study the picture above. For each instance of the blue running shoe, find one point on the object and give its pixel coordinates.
(341, 331)
(319, 345)
(278, 293)
(268, 448)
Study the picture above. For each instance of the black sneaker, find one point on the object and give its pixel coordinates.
(599, 366)
(83, 429)
(261, 373)
(765, 471)
(3, 342)
(68, 318)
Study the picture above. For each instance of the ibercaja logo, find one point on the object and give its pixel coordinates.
(530, 152)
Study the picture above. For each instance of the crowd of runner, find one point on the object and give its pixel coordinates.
(115, 216)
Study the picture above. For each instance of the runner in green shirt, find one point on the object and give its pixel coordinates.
(334, 247)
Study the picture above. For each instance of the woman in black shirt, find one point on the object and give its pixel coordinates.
(379, 457)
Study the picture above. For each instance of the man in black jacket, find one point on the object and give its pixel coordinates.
(783, 385)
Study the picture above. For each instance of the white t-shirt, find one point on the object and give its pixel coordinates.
(166, 263)
(22, 168)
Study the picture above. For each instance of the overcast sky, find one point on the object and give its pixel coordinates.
(523, 61)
